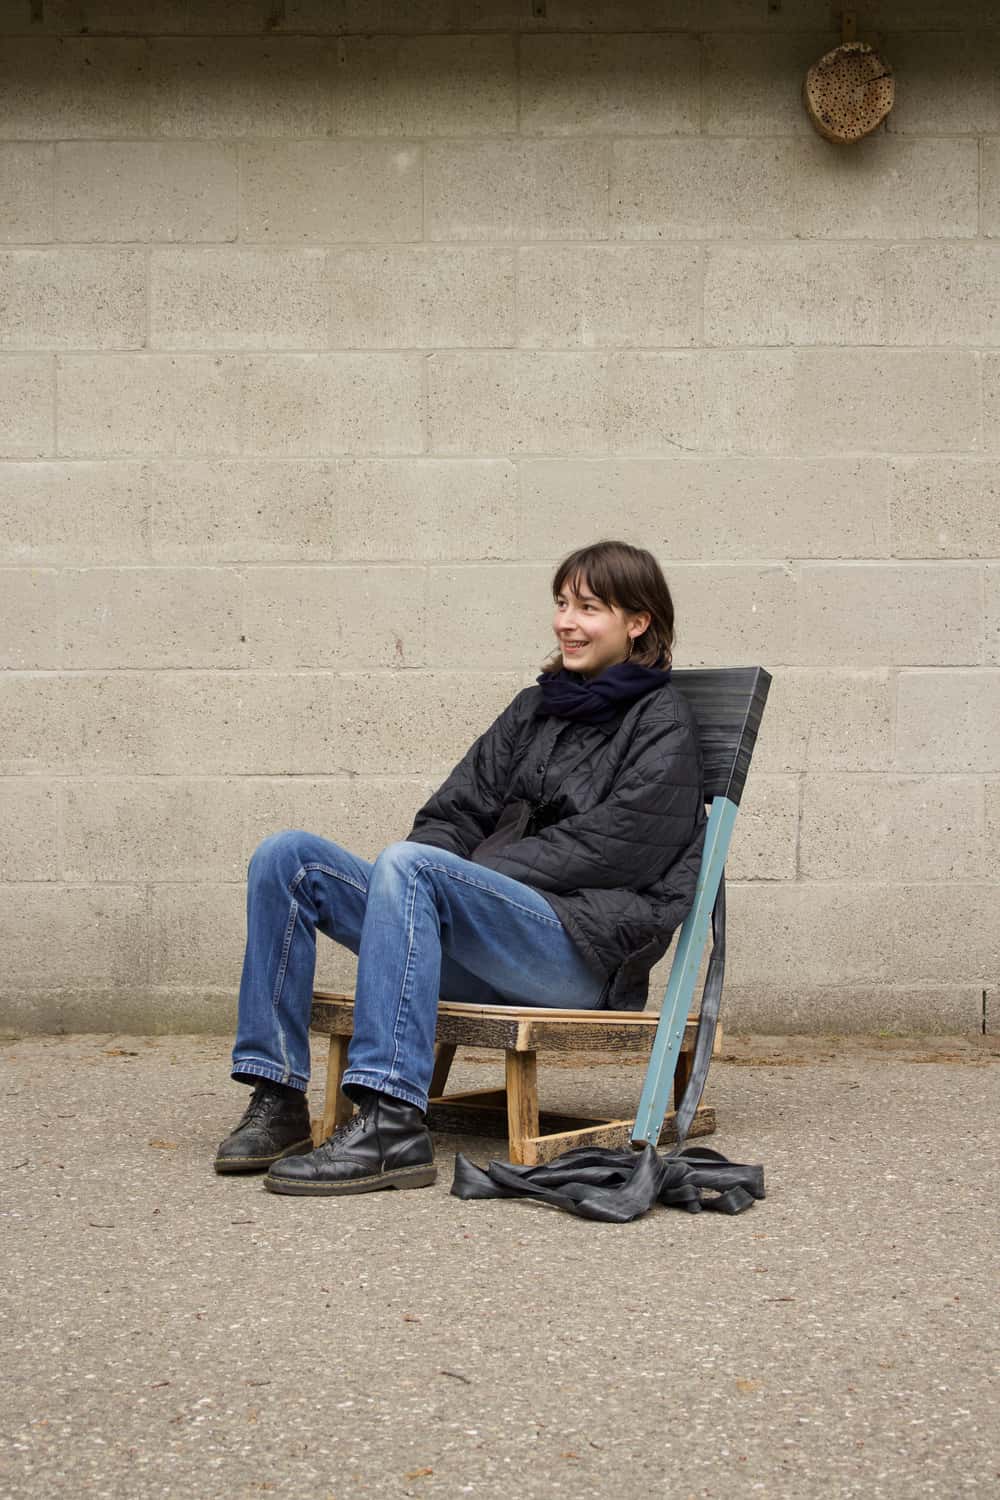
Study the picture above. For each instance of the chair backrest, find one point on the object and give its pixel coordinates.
(728, 703)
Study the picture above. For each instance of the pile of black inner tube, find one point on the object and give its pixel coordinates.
(618, 1186)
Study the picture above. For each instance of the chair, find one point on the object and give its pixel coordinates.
(728, 704)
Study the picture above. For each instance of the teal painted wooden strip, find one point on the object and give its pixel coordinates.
(659, 1078)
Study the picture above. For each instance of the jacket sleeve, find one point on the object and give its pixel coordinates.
(631, 838)
(465, 808)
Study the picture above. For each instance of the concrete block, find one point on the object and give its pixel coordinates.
(950, 82)
(157, 17)
(657, 402)
(787, 935)
(991, 401)
(828, 720)
(25, 192)
(942, 294)
(887, 188)
(891, 828)
(27, 406)
(152, 829)
(582, 15)
(56, 935)
(249, 723)
(733, 614)
(45, 730)
(608, 296)
(947, 721)
(73, 297)
(344, 16)
(149, 404)
(516, 190)
(72, 513)
(425, 86)
(991, 863)
(30, 623)
(746, 16)
(251, 86)
(991, 578)
(16, 18)
(924, 15)
(885, 399)
(947, 934)
(145, 190)
(29, 813)
(708, 400)
(360, 813)
(945, 507)
(702, 189)
(414, 723)
(427, 297)
(425, 509)
(152, 618)
(505, 615)
(241, 511)
(875, 614)
(330, 192)
(752, 85)
(709, 509)
(850, 1009)
(197, 930)
(793, 294)
(350, 619)
(301, 406)
(59, 88)
(237, 297)
(605, 85)
(766, 832)
(517, 402)
(990, 188)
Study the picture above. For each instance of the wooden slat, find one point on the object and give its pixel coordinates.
(444, 1056)
(502, 1027)
(458, 1116)
(478, 1098)
(337, 1108)
(615, 1133)
(522, 1100)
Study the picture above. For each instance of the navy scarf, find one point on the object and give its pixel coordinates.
(567, 695)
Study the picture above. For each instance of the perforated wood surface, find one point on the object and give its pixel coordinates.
(849, 92)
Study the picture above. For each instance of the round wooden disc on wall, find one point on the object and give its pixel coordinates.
(849, 92)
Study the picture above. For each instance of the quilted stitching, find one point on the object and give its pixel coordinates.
(620, 861)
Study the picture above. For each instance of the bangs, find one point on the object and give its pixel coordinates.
(587, 571)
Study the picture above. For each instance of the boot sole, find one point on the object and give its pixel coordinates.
(403, 1177)
(260, 1163)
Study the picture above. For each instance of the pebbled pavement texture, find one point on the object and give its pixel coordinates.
(168, 1332)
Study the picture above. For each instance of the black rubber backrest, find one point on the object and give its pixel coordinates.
(728, 704)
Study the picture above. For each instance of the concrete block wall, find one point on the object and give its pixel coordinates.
(327, 326)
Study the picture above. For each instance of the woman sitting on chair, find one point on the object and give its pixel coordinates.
(551, 868)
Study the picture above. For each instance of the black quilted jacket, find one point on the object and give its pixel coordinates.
(618, 825)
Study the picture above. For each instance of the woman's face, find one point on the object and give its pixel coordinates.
(592, 635)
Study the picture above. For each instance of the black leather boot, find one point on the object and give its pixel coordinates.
(386, 1144)
(274, 1124)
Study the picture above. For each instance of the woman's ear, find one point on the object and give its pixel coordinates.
(642, 621)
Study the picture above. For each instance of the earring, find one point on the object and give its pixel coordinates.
(631, 647)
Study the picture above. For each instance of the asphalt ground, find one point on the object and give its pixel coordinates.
(168, 1332)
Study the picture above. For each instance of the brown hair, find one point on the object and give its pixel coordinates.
(630, 579)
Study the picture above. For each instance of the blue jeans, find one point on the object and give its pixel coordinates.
(424, 923)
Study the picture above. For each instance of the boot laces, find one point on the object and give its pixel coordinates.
(262, 1103)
